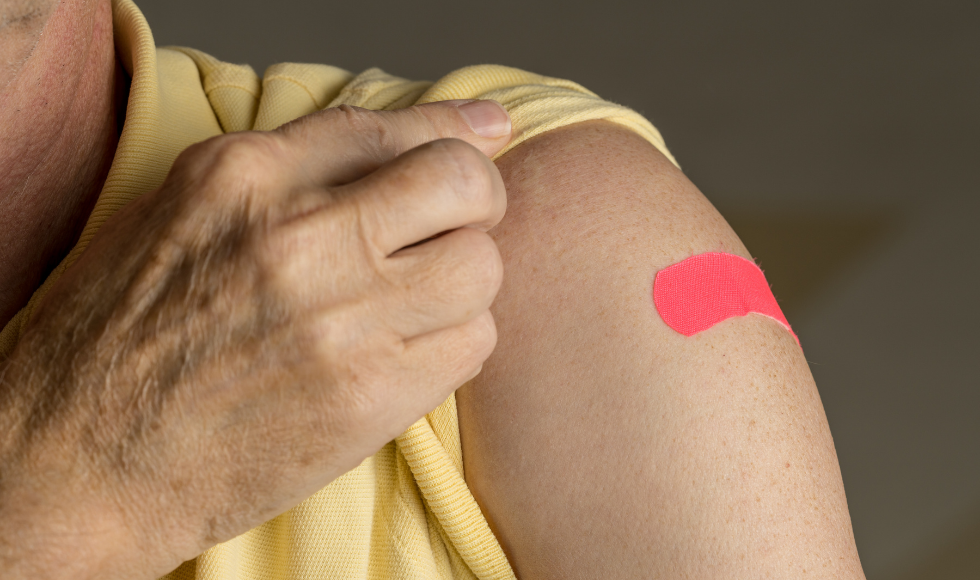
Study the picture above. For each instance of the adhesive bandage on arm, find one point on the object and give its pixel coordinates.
(703, 290)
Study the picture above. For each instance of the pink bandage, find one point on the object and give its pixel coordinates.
(703, 290)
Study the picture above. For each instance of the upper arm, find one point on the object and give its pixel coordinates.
(601, 443)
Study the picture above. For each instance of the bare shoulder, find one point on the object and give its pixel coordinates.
(600, 442)
(602, 174)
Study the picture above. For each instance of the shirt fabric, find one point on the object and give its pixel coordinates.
(406, 512)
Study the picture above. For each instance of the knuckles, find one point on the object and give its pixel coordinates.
(354, 355)
(469, 172)
(231, 166)
(476, 268)
(311, 260)
(377, 137)
(483, 337)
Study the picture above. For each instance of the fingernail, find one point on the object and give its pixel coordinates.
(487, 118)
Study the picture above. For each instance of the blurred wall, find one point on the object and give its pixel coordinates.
(839, 138)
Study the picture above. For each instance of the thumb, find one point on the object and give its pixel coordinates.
(488, 122)
(342, 144)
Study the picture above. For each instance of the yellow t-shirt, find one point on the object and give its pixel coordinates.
(405, 512)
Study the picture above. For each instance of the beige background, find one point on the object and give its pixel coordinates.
(840, 138)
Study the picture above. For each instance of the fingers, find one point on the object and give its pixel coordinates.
(437, 187)
(443, 283)
(450, 357)
(341, 144)
(427, 369)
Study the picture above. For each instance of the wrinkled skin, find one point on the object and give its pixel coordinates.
(62, 92)
(253, 329)
(235, 340)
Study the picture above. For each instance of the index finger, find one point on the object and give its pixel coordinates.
(342, 144)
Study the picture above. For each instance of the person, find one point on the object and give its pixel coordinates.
(222, 294)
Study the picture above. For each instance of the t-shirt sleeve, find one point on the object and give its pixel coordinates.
(536, 103)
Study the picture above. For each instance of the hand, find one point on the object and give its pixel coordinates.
(283, 306)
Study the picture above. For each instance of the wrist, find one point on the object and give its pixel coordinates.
(53, 521)
(49, 538)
